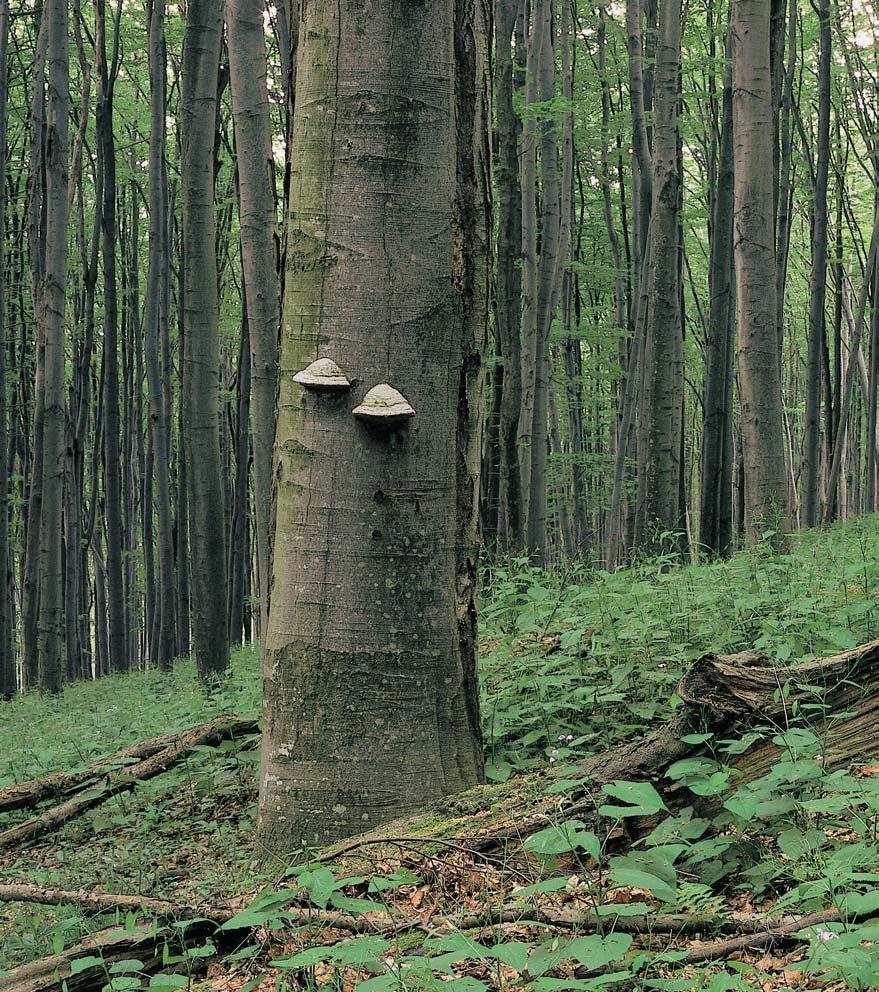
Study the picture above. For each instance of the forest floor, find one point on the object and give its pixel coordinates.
(572, 661)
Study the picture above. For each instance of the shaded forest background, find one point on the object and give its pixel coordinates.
(620, 406)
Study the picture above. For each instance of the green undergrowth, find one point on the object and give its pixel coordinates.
(582, 657)
(572, 660)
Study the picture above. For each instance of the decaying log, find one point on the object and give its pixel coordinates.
(111, 945)
(125, 779)
(726, 695)
(24, 795)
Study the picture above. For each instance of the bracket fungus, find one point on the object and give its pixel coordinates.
(323, 376)
(384, 406)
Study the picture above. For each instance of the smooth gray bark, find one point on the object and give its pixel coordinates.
(370, 698)
(205, 487)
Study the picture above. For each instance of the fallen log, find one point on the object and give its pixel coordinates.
(124, 780)
(725, 695)
(24, 795)
(108, 947)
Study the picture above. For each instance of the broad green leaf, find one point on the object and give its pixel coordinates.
(83, 964)
(641, 798)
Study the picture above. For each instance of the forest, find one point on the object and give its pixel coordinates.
(439, 495)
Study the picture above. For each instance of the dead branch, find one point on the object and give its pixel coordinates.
(101, 902)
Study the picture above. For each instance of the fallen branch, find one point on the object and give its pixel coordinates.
(124, 780)
(24, 795)
(561, 918)
(101, 902)
(772, 934)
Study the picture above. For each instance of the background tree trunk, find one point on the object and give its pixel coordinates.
(7, 652)
(509, 276)
(52, 299)
(818, 284)
(207, 540)
(766, 485)
(258, 224)
(155, 329)
(116, 600)
(660, 509)
(715, 508)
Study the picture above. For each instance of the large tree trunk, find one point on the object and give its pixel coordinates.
(52, 299)
(258, 223)
(201, 57)
(766, 484)
(660, 508)
(370, 700)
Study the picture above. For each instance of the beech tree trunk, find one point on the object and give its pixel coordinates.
(117, 627)
(7, 653)
(30, 593)
(205, 489)
(52, 299)
(155, 330)
(370, 696)
(660, 507)
(766, 484)
(509, 277)
(258, 224)
(715, 506)
(818, 286)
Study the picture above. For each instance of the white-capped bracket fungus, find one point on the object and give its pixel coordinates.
(384, 406)
(323, 376)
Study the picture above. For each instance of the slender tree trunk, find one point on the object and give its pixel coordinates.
(201, 56)
(36, 239)
(551, 253)
(785, 156)
(50, 648)
(119, 656)
(664, 355)
(182, 521)
(818, 285)
(870, 399)
(238, 551)
(541, 13)
(509, 275)
(715, 509)
(766, 485)
(7, 655)
(155, 315)
(258, 224)
(375, 540)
